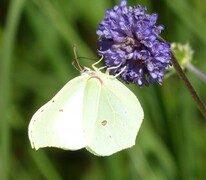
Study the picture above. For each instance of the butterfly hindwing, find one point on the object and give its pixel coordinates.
(59, 122)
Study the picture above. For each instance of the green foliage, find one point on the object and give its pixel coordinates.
(36, 43)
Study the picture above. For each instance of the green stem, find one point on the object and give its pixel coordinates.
(12, 21)
(196, 71)
(200, 104)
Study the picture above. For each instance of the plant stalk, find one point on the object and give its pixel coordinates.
(196, 71)
(200, 104)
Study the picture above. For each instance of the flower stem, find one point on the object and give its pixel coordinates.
(196, 71)
(200, 104)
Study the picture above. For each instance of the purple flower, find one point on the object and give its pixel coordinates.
(128, 40)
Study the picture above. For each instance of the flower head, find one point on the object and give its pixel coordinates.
(183, 53)
(128, 40)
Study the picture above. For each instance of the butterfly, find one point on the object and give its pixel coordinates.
(93, 111)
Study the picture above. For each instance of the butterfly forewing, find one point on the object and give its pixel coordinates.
(116, 117)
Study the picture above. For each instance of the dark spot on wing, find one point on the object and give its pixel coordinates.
(53, 100)
(60, 110)
(42, 110)
(110, 136)
(104, 123)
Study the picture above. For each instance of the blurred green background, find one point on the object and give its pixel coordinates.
(36, 54)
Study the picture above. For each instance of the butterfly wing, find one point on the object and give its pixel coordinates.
(112, 118)
(59, 123)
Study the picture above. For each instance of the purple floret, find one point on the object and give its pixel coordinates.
(128, 39)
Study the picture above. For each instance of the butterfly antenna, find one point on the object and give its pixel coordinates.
(75, 63)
